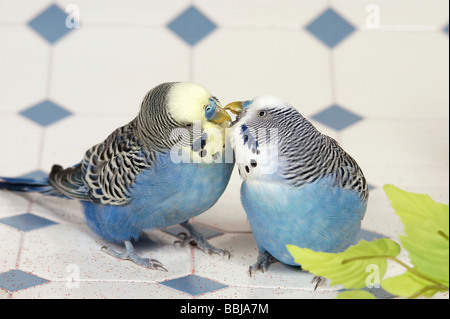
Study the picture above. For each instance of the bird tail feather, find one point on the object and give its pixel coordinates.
(21, 184)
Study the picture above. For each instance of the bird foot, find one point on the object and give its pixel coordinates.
(197, 238)
(263, 262)
(131, 255)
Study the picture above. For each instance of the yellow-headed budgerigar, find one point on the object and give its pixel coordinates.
(299, 186)
(163, 168)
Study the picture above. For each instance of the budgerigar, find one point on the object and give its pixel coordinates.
(299, 186)
(163, 168)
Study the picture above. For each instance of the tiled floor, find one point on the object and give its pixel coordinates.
(372, 74)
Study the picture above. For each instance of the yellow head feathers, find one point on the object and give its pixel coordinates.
(187, 102)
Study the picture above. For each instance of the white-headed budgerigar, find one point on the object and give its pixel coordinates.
(299, 186)
(138, 178)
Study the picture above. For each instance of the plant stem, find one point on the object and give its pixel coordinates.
(425, 289)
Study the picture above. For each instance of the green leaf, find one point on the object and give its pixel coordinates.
(426, 226)
(355, 294)
(359, 266)
(411, 285)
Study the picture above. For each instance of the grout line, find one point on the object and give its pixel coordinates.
(402, 28)
(41, 149)
(191, 64)
(21, 241)
(255, 27)
(193, 259)
(49, 72)
(333, 88)
(332, 77)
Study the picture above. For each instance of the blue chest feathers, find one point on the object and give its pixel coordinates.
(163, 195)
(319, 216)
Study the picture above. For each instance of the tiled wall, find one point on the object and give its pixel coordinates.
(372, 74)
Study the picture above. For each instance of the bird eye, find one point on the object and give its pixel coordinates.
(210, 109)
(262, 113)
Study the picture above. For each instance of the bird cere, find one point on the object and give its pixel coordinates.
(299, 187)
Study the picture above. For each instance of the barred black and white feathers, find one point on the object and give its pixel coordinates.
(304, 154)
(108, 170)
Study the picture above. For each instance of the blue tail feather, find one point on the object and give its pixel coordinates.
(20, 184)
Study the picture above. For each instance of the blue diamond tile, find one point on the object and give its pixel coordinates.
(336, 117)
(330, 28)
(193, 285)
(51, 24)
(45, 113)
(16, 279)
(26, 222)
(192, 26)
(208, 233)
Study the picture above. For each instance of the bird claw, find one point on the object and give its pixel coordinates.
(184, 238)
(153, 264)
(319, 281)
(131, 255)
(195, 238)
(200, 243)
(263, 262)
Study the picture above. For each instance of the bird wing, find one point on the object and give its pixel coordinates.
(107, 172)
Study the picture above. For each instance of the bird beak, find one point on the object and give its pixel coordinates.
(220, 116)
(235, 107)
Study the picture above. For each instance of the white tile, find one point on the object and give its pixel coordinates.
(67, 141)
(242, 64)
(10, 247)
(401, 152)
(380, 217)
(22, 145)
(23, 68)
(99, 290)
(429, 179)
(118, 68)
(13, 203)
(52, 252)
(118, 12)
(21, 11)
(411, 13)
(265, 13)
(394, 74)
(4, 294)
